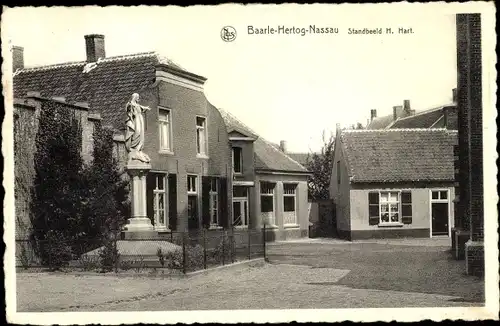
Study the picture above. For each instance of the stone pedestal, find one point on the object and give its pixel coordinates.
(459, 238)
(474, 258)
(139, 225)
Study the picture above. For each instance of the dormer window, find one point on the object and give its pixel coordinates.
(237, 160)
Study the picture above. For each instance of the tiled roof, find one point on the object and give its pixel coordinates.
(432, 118)
(267, 156)
(384, 121)
(399, 155)
(300, 157)
(106, 85)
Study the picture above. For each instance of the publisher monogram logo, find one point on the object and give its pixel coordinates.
(228, 34)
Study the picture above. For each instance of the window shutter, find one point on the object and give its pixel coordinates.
(150, 185)
(205, 201)
(172, 201)
(406, 209)
(224, 217)
(373, 208)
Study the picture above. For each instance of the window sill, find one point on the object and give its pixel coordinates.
(215, 227)
(241, 227)
(162, 229)
(271, 226)
(202, 156)
(165, 152)
(291, 226)
(390, 225)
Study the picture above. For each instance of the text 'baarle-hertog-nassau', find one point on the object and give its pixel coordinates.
(316, 29)
(287, 30)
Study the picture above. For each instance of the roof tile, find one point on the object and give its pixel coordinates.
(399, 155)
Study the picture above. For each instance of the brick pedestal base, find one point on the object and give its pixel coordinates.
(474, 258)
(458, 240)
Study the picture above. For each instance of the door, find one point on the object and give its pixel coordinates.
(440, 212)
(193, 221)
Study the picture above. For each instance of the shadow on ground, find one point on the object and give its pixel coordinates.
(386, 267)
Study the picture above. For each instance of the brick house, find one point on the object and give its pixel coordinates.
(186, 138)
(393, 183)
(268, 185)
(26, 113)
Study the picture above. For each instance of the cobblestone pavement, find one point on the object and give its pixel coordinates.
(271, 286)
(411, 265)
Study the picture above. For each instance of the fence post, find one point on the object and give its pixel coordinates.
(264, 241)
(249, 245)
(204, 249)
(117, 257)
(184, 252)
(223, 246)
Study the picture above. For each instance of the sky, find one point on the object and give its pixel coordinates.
(284, 87)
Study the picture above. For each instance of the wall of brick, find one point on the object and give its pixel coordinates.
(26, 117)
(185, 104)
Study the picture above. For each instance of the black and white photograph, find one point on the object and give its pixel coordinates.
(250, 163)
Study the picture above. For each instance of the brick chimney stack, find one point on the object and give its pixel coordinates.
(373, 114)
(17, 58)
(395, 110)
(454, 95)
(283, 146)
(407, 107)
(94, 45)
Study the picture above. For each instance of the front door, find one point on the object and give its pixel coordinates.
(193, 221)
(440, 212)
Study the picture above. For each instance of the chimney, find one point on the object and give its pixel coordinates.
(395, 110)
(283, 146)
(445, 117)
(407, 107)
(94, 44)
(454, 95)
(373, 114)
(17, 58)
(337, 126)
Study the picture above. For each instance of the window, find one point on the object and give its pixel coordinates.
(240, 206)
(338, 172)
(191, 184)
(266, 197)
(164, 123)
(389, 207)
(439, 195)
(214, 204)
(192, 190)
(289, 215)
(237, 160)
(201, 135)
(159, 200)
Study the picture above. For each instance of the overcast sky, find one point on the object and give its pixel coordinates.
(285, 87)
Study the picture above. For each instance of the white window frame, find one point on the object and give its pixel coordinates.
(242, 201)
(294, 187)
(190, 190)
(240, 159)
(168, 123)
(389, 202)
(156, 194)
(271, 215)
(214, 209)
(201, 137)
(439, 200)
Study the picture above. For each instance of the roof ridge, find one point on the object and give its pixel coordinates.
(78, 63)
(424, 112)
(279, 151)
(396, 129)
(230, 115)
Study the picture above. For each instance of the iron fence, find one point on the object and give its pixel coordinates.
(174, 252)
